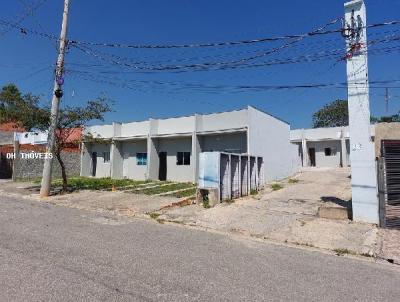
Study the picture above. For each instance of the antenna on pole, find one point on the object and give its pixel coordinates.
(387, 98)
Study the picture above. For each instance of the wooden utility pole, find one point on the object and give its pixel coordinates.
(362, 151)
(55, 104)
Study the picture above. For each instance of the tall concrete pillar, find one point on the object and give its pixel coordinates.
(153, 163)
(86, 159)
(196, 149)
(363, 168)
(304, 149)
(116, 160)
(343, 148)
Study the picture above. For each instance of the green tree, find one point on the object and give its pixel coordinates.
(335, 114)
(27, 111)
(386, 119)
(22, 109)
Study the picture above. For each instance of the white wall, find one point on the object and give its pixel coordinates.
(174, 125)
(222, 121)
(228, 142)
(172, 146)
(104, 131)
(135, 129)
(130, 168)
(103, 169)
(321, 160)
(270, 138)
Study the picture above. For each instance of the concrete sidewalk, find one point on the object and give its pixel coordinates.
(290, 215)
(120, 203)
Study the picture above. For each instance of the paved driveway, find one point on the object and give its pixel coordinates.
(51, 253)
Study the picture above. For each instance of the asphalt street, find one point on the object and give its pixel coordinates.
(53, 253)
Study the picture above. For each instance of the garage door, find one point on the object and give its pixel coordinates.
(389, 184)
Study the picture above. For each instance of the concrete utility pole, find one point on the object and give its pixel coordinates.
(363, 170)
(55, 105)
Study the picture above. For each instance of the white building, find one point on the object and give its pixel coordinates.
(168, 149)
(324, 147)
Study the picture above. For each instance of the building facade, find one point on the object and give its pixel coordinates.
(168, 149)
(324, 147)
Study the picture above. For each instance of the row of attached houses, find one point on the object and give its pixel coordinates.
(168, 149)
(324, 147)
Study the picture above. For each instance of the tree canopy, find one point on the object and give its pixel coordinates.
(335, 114)
(23, 109)
(27, 112)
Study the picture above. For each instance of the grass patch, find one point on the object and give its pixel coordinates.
(206, 202)
(153, 215)
(293, 181)
(187, 193)
(253, 192)
(89, 183)
(341, 251)
(229, 201)
(276, 187)
(167, 188)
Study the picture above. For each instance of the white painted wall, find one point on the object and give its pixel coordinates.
(222, 121)
(270, 138)
(321, 160)
(172, 146)
(103, 169)
(228, 142)
(135, 129)
(175, 125)
(101, 131)
(130, 168)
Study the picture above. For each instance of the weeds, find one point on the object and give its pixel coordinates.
(229, 201)
(293, 181)
(206, 202)
(253, 192)
(341, 251)
(153, 215)
(304, 244)
(276, 187)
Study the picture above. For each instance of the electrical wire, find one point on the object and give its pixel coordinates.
(229, 43)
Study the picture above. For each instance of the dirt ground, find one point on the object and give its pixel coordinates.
(290, 215)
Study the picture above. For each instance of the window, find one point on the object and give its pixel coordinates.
(330, 151)
(183, 158)
(106, 157)
(141, 159)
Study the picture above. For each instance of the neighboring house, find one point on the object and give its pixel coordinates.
(168, 149)
(35, 141)
(6, 146)
(324, 147)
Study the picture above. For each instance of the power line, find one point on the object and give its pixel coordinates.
(230, 43)
(194, 45)
(29, 11)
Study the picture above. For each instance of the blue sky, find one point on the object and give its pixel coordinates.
(27, 59)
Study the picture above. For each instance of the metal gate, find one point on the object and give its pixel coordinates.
(225, 184)
(389, 184)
